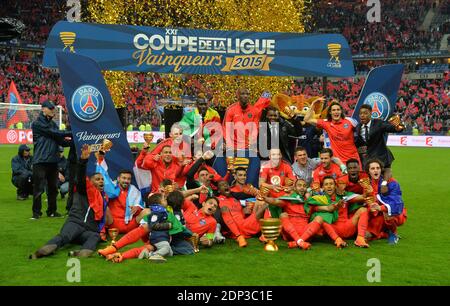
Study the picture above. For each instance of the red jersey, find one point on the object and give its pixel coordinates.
(238, 136)
(276, 176)
(320, 172)
(354, 187)
(117, 206)
(234, 206)
(159, 170)
(341, 138)
(295, 210)
(197, 221)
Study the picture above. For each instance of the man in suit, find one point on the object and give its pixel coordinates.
(371, 138)
(285, 133)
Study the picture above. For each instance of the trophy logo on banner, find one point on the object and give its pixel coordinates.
(68, 38)
(334, 50)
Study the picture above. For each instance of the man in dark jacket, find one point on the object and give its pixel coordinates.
(371, 137)
(285, 133)
(86, 216)
(46, 139)
(21, 165)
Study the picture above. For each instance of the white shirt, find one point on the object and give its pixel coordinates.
(363, 130)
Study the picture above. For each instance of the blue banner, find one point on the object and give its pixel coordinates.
(92, 115)
(179, 50)
(380, 91)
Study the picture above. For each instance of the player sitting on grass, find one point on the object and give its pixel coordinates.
(86, 216)
(294, 220)
(333, 208)
(389, 211)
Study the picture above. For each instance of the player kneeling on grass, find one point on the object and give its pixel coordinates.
(86, 216)
(334, 208)
(388, 212)
(294, 220)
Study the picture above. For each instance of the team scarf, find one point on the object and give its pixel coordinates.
(112, 190)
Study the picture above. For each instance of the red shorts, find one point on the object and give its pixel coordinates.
(250, 226)
(124, 228)
(345, 228)
(377, 224)
(299, 224)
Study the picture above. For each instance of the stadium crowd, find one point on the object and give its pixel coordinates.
(398, 29)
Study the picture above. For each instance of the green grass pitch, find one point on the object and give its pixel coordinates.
(420, 258)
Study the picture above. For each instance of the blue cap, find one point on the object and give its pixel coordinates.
(48, 104)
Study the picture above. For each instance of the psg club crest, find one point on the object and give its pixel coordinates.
(87, 103)
(380, 105)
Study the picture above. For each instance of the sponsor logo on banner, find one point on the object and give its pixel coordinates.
(404, 140)
(68, 39)
(8, 136)
(380, 105)
(11, 136)
(429, 141)
(87, 103)
(334, 50)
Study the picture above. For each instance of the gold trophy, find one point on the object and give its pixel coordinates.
(104, 147)
(271, 229)
(368, 191)
(263, 192)
(194, 240)
(230, 163)
(148, 137)
(395, 121)
(250, 189)
(168, 189)
(288, 182)
(113, 233)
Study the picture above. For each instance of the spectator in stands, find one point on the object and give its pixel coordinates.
(21, 165)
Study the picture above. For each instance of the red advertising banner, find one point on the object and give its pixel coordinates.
(8, 136)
